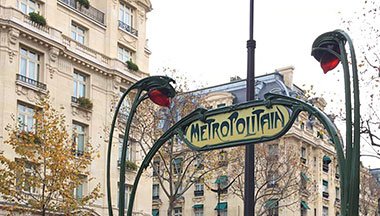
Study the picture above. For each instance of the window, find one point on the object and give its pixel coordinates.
(304, 180)
(337, 194)
(303, 211)
(178, 187)
(221, 208)
(178, 211)
(156, 191)
(123, 54)
(80, 189)
(272, 206)
(273, 149)
(199, 162)
(272, 179)
(198, 211)
(223, 161)
(26, 117)
(126, 14)
(128, 190)
(79, 138)
(199, 189)
(78, 33)
(156, 168)
(303, 155)
(79, 85)
(326, 161)
(221, 105)
(30, 170)
(29, 65)
(337, 175)
(177, 165)
(325, 211)
(223, 212)
(126, 105)
(29, 6)
(129, 150)
(325, 189)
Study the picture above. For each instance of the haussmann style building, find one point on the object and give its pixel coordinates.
(80, 53)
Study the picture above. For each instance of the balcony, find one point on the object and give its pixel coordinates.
(31, 82)
(128, 28)
(303, 160)
(156, 197)
(337, 176)
(92, 13)
(325, 168)
(325, 195)
(198, 193)
(337, 201)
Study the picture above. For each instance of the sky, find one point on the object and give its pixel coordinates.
(205, 40)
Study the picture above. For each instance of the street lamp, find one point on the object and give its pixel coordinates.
(329, 50)
(159, 90)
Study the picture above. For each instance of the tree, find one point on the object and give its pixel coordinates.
(280, 176)
(364, 29)
(48, 172)
(175, 167)
(369, 193)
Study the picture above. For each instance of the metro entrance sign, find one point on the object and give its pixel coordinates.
(230, 128)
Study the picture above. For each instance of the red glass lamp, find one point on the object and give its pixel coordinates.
(323, 53)
(160, 97)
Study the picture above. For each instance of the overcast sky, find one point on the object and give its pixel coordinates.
(206, 39)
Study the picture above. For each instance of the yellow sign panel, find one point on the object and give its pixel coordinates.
(249, 123)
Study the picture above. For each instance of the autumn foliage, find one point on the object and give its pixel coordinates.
(46, 171)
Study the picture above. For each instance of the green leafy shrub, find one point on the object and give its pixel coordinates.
(36, 18)
(84, 3)
(85, 103)
(132, 66)
(130, 165)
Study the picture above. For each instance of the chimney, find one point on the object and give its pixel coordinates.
(287, 72)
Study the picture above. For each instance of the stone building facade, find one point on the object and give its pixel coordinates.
(79, 53)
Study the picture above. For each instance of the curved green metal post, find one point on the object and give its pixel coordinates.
(147, 84)
(350, 192)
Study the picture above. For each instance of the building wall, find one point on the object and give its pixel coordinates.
(61, 56)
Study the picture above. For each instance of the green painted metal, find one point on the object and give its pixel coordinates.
(351, 172)
(198, 206)
(145, 85)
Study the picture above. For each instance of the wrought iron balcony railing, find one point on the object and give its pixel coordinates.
(128, 28)
(91, 12)
(30, 81)
(198, 193)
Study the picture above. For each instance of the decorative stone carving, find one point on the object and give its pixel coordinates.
(116, 82)
(13, 35)
(53, 61)
(53, 54)
(30, 94)
(128, 40)
(80, 112)
(141, 16)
